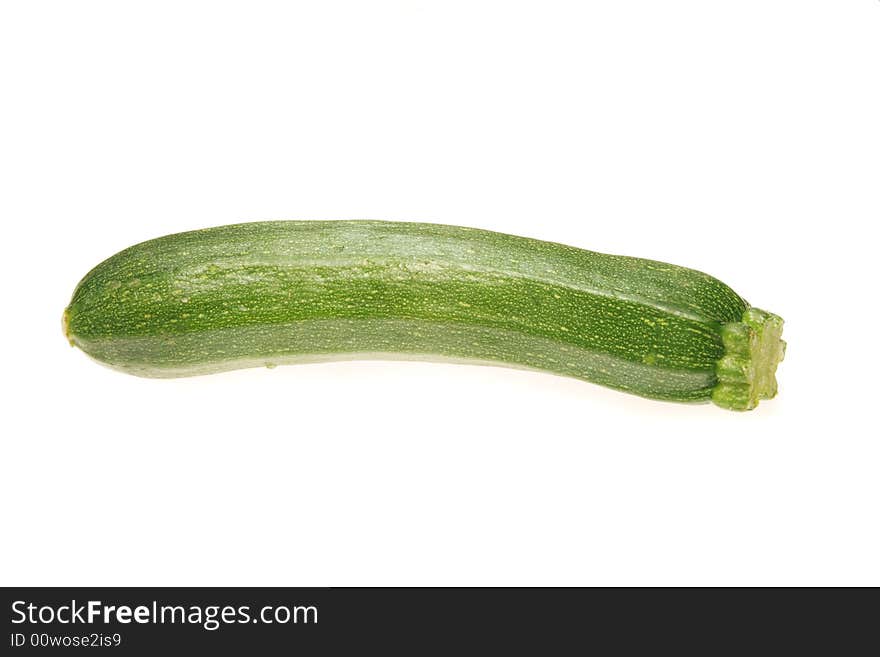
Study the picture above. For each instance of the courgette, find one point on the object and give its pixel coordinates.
(268, 293)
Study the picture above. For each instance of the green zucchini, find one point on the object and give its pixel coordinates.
(268, 293)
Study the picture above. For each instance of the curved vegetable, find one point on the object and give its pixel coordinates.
(279, 292)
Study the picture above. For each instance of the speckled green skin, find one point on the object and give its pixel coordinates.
(287, 291)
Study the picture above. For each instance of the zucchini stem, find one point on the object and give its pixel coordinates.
(753, 348)
(65, 327)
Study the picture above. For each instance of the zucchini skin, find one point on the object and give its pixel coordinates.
(267, 293)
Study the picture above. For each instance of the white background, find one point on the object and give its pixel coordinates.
(739, 138)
